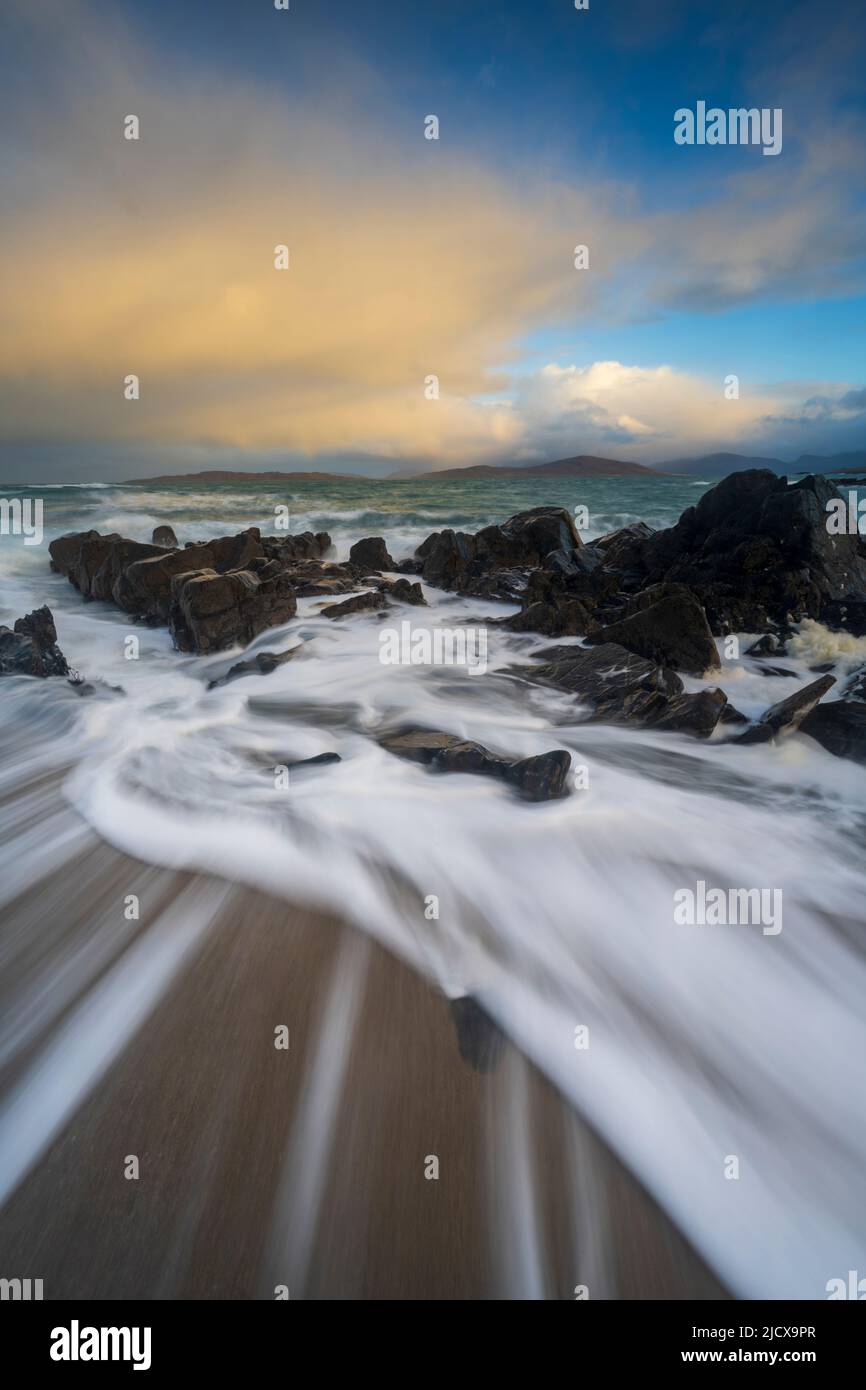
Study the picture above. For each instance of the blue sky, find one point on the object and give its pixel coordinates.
(556, 127)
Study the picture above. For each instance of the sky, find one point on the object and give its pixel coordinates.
(412, 259)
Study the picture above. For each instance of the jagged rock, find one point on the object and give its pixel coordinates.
(757, 552)
(621, 687)
(454, 560)
(209, 611)
(623, 549)
(404, 592)
(118, 556)
(290, 549)
(29, 648)
(540, 778)
(768, 645)
(164, 536)
(555, 618)
(671, 632)
(371, 555)
(145, 586)
(361, 603)
(787, 716)
(262, 664)
(840, 727)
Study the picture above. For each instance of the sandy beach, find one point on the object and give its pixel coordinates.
(263, 1167)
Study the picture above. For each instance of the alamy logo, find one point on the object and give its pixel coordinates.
(441, 646)
(738, 126)
(21, 1290)
(714, 907)
(846, 519)
(76, 1343)
(22, 518)
(854, 1287)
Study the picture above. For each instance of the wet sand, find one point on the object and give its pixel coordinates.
(261, 1167)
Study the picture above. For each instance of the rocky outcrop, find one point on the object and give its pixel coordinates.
(304, 546)
(371, 555)
(209, 612)
(620, 687)
(144, 587)
(670, 629)
(29, 648)
(457, 560)
(540, 778)
(757, 553)
(404, 592)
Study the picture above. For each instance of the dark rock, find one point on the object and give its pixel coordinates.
(672, 632)
(757, 552)
(210, 612)
(565, 617)
(119, 555)
(320, 760)
(840, 727)
(404, 592)
(361, 603)
(455, 560)
(164, 536)
(479, 1039)
(730, 715)
(145, 586)
(846, 615)
(303, 546)
(786, 716)
(540, 778)
(768, 645)
(30, 647)
(262, 664)
(371, 555)
(621, 687)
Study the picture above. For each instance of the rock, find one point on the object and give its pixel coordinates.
(757, 552)
(164, 536)
(623, 688)
(672, 632)
(480, 1041)
(786, 716)
(768, 645)
(210, 612)
(455, 560)
(262, 664)
(303, 546)
(30, 647)
(320, 760)
(361, 603)
(840, 727)
(145, 586)
(371, 555)
(846, 615)
(404, 592)
(118, 556)
(540, 778)
(623, 549)
(730, 715)
(555, 618)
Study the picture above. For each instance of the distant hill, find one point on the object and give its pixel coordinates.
(583, 466)
(720, 465)
(222, 475)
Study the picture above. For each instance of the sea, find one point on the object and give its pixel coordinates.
(684, 1046)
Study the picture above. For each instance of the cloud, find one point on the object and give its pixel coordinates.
(408, 258)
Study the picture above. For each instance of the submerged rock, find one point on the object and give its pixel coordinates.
(539, 778)
(361, 603)
(262, 664)
(29, 648)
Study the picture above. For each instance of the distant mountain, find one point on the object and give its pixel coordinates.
(720, 465)
(583, 466)
(223, 475)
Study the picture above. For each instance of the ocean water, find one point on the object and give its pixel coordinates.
(706, 1043)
